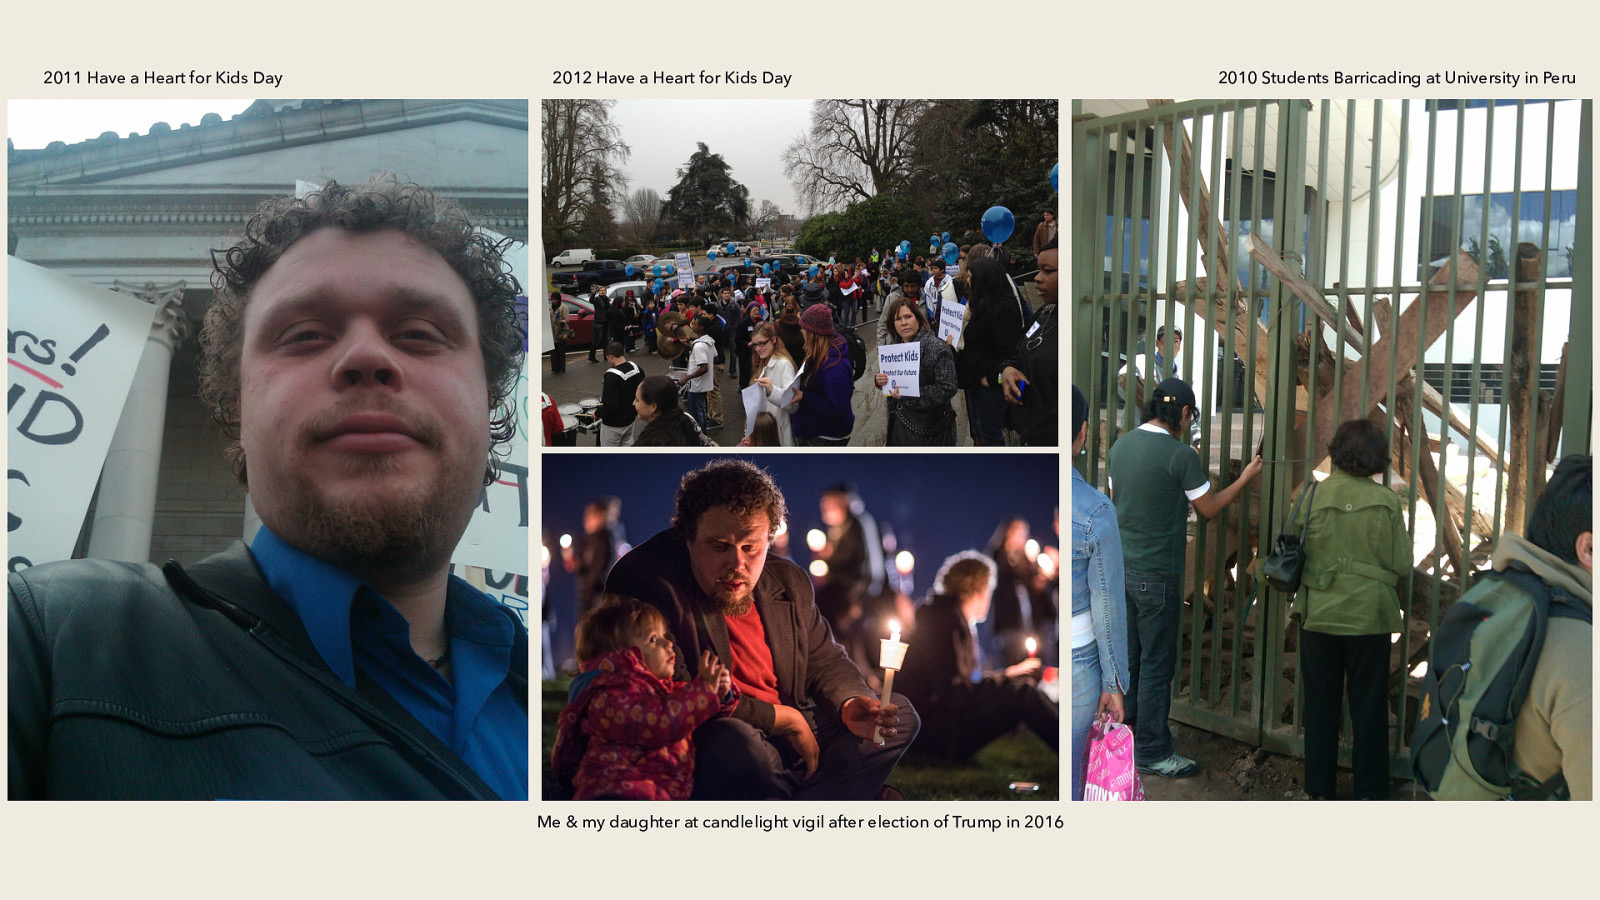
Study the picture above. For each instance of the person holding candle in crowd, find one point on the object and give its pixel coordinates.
(596, 550)
(1099, 606)
(962, 712)
(803, 723)
(625, 733)
(1155, 476)
(1023, 603)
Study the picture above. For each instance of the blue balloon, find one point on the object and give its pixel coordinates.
(656, 271)
(711, 255)
(658, 285)
(630, 270)
(812, 271)
(747, 262)
(1055, 177)
(933, 239)
(952, 254)
(731, 247)
(766, 269)
(944, 236)
(905, 245)
(998, 223)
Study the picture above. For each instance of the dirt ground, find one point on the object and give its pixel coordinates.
(1230, 770)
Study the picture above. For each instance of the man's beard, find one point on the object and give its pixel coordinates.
(735, 605)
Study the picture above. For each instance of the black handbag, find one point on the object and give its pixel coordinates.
(1287, 562)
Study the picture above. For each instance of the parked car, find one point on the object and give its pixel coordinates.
(641, 261)
(572, 257)
(595, 271)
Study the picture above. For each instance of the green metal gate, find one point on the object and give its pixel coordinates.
(1322, 260)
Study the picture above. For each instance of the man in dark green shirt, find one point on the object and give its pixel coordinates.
(1154, 475)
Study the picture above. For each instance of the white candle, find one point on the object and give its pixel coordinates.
(891, 655)
(1033, 648)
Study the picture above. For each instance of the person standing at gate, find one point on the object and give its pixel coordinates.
(1358, 553)
(1154, 476)
(1099, 606)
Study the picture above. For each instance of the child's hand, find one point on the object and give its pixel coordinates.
(711, 670)
(724, 683)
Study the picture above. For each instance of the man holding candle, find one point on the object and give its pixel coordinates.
(805, 720)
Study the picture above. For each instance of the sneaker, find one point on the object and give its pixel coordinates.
(1173, 766)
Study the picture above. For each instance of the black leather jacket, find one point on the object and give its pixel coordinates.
(128, 681)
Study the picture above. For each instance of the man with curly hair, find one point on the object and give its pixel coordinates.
(805, 719)
(359, 355)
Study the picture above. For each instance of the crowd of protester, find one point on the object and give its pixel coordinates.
(726, 331)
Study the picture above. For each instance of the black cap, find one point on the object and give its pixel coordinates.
(1176, 390)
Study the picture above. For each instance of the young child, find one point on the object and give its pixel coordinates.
(626, 731)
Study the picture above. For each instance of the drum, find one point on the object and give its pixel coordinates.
(569, 431)
(590, 406)
(570, 409)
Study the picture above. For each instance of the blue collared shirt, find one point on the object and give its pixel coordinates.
(353, 626)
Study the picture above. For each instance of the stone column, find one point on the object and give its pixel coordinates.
(125, 511)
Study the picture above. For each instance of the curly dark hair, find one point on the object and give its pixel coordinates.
(434, 221)
(742, 486)
(1360, 448)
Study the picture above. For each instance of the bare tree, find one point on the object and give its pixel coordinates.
(854, 150)
(581, 164)
(759, 220)
(641, 210)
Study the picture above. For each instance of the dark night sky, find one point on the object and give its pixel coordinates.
(936, 504)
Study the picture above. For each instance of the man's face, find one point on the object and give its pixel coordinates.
(1048, 276)
(727, 555)
(363, 401)
(1049, 217)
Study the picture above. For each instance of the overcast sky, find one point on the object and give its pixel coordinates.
(750, 134)
(33, 124)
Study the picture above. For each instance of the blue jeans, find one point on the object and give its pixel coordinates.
(1154, 607)
(696, 405)
(986, 415)
(1085, 699)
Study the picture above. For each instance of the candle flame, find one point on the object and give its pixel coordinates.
(566, 542)
(904, 562)
(1033, 647)
(544, 555)
(1032, 549)
(1046, 564)
(894, 629)
(819, 568)
(816, 540)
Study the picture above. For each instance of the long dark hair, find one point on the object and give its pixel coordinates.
(661, 392)
(989, 284)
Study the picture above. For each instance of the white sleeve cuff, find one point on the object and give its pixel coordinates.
(1198, 492)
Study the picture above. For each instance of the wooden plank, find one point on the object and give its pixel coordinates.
(1521, 385)
(1263, 253)
(1404, 340)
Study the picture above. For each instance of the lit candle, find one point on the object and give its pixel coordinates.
(1033, 648)
(891, 655)
(819, 568)
(904, 562)
(816, 540)
(544, 556)
(566, 542)
(1047, 564)
(1031, 548)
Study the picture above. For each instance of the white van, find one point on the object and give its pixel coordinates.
(572, 258)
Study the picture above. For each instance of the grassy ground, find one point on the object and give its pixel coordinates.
(1018, 757)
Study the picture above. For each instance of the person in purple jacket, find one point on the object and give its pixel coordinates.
(824, 418)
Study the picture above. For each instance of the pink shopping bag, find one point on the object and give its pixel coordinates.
(1111, 774)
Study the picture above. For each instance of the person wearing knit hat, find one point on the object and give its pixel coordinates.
(1155, 475)
(792, 336)
(1099, 606)
(823, 417)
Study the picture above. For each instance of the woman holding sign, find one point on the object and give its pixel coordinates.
(927, 420)
(773, 369)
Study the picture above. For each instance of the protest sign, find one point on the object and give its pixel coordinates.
(755, 397)
(73, 349)
(497, 535)
(787, 397)
(763, 283)
(903, 364)
(685, 266)
(951, 315)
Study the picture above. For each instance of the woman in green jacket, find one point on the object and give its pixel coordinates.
(1358, 554)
